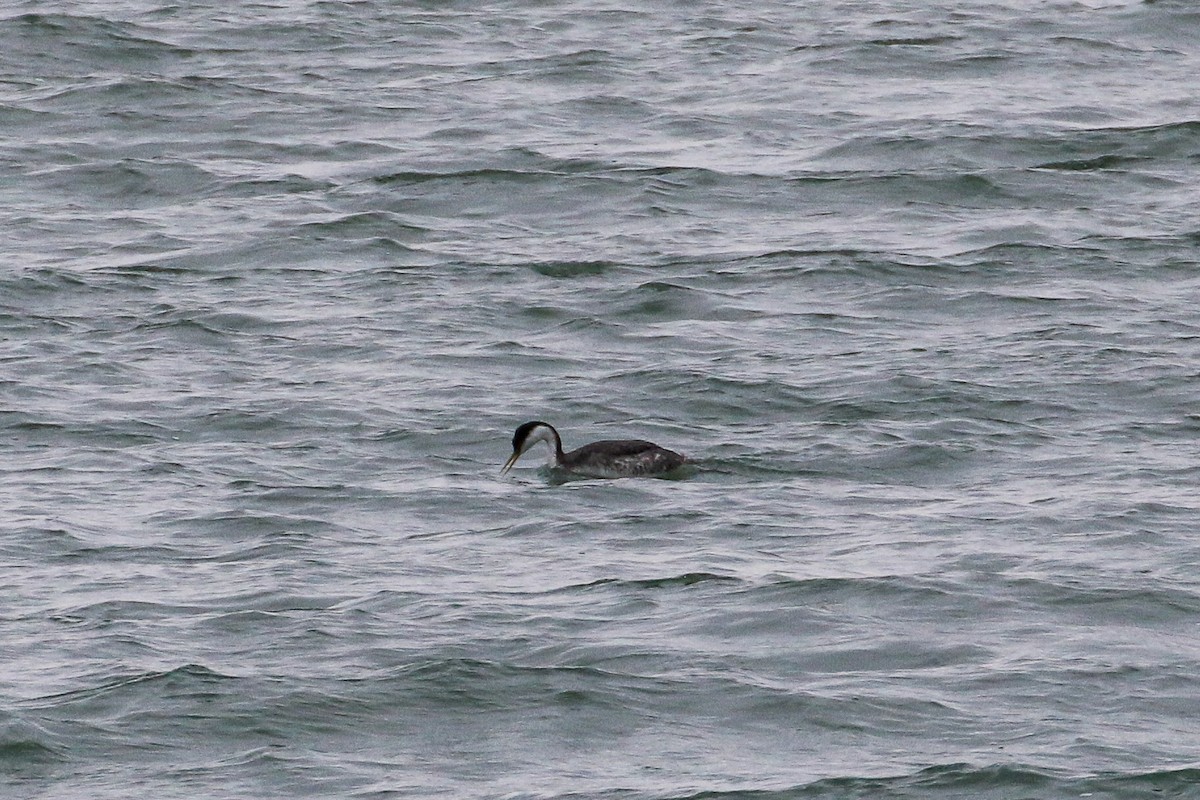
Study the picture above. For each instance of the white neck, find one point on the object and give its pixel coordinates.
(542, 433)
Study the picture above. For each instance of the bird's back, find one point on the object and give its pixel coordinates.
(621, 458)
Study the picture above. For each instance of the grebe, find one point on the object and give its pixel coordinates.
(619, 458)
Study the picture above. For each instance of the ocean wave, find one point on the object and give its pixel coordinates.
(956, 780)
(27, 748)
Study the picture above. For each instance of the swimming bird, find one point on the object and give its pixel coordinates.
(612, 458)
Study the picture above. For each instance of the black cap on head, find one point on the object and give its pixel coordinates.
(524, 431)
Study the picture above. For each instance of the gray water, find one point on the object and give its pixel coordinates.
(914, 285)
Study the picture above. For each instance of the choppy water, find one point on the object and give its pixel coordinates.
(914, 284)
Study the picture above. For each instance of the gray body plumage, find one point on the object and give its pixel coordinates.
(620, 458)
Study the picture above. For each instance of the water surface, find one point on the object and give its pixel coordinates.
(913, 285)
